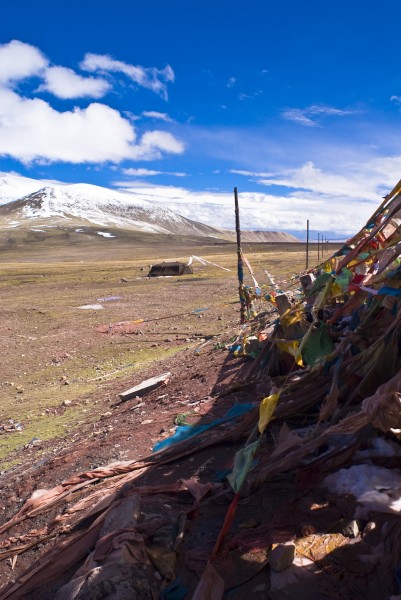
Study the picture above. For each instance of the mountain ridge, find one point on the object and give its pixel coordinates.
(79, 205)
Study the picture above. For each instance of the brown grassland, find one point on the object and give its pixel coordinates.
(60, 376)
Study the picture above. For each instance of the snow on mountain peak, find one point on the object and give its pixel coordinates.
(99, 206)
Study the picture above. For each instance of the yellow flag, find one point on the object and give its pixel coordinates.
(266, 410)
(292, 347)
(291, 316)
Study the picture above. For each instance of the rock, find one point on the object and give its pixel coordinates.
(66, 402)
(370, 527)
(282, 557)
(347, 527)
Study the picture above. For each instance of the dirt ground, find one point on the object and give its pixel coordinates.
(63, 369)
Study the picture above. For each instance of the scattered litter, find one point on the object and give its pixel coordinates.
(326, 382)
(109, 299)
(105, 234)
(10, 426)
(91, 307)
(137, 406)
(32, 443)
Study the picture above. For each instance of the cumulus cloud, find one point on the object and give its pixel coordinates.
(149, 173)
(19, 61)
(310, 116)
(66, 84)
(153, 114)
(30, 129)
(147, 77)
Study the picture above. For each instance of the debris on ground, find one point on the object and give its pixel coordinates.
(303, 443)
(146, 386)
(10, 426)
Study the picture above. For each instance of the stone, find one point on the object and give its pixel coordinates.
(282, 557)
(347, 527)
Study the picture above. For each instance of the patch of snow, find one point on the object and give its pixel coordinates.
(91, 307)
(79, 231)
(105, 234)
(12, 226)
(38, 230)
(375, 488)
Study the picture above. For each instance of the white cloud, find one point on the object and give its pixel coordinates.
(356, 181)
(147, 77)
(19, 61)
(30, 129)
(65, 83)
(338, 200)
(310, 116)
(153, 114)
(154, 143)
(250, 173)
(149, 173)
(258, 210)
(243, 96)
(231, 82)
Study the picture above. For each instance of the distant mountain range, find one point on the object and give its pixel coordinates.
(26, 204)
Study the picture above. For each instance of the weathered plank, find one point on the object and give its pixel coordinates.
(145, 387)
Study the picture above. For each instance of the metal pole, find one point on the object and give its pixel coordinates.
(307, 244)
(240, 261)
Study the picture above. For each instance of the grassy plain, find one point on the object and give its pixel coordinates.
(58, 369)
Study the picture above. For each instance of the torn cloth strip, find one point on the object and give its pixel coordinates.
(266, 410)
(389, 291)
(242, 464)
(184, 432)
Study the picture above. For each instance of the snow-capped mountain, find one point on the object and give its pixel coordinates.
(75, 204)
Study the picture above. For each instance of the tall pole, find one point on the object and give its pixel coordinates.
(307, 244)
(318, 247)
(240, 261)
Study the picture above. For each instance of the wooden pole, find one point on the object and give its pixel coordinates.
(307, 244)
(318, 247)
(240, 261)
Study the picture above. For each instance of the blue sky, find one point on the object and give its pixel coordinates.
(295, 103)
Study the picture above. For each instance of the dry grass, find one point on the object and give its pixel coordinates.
(47, 339)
